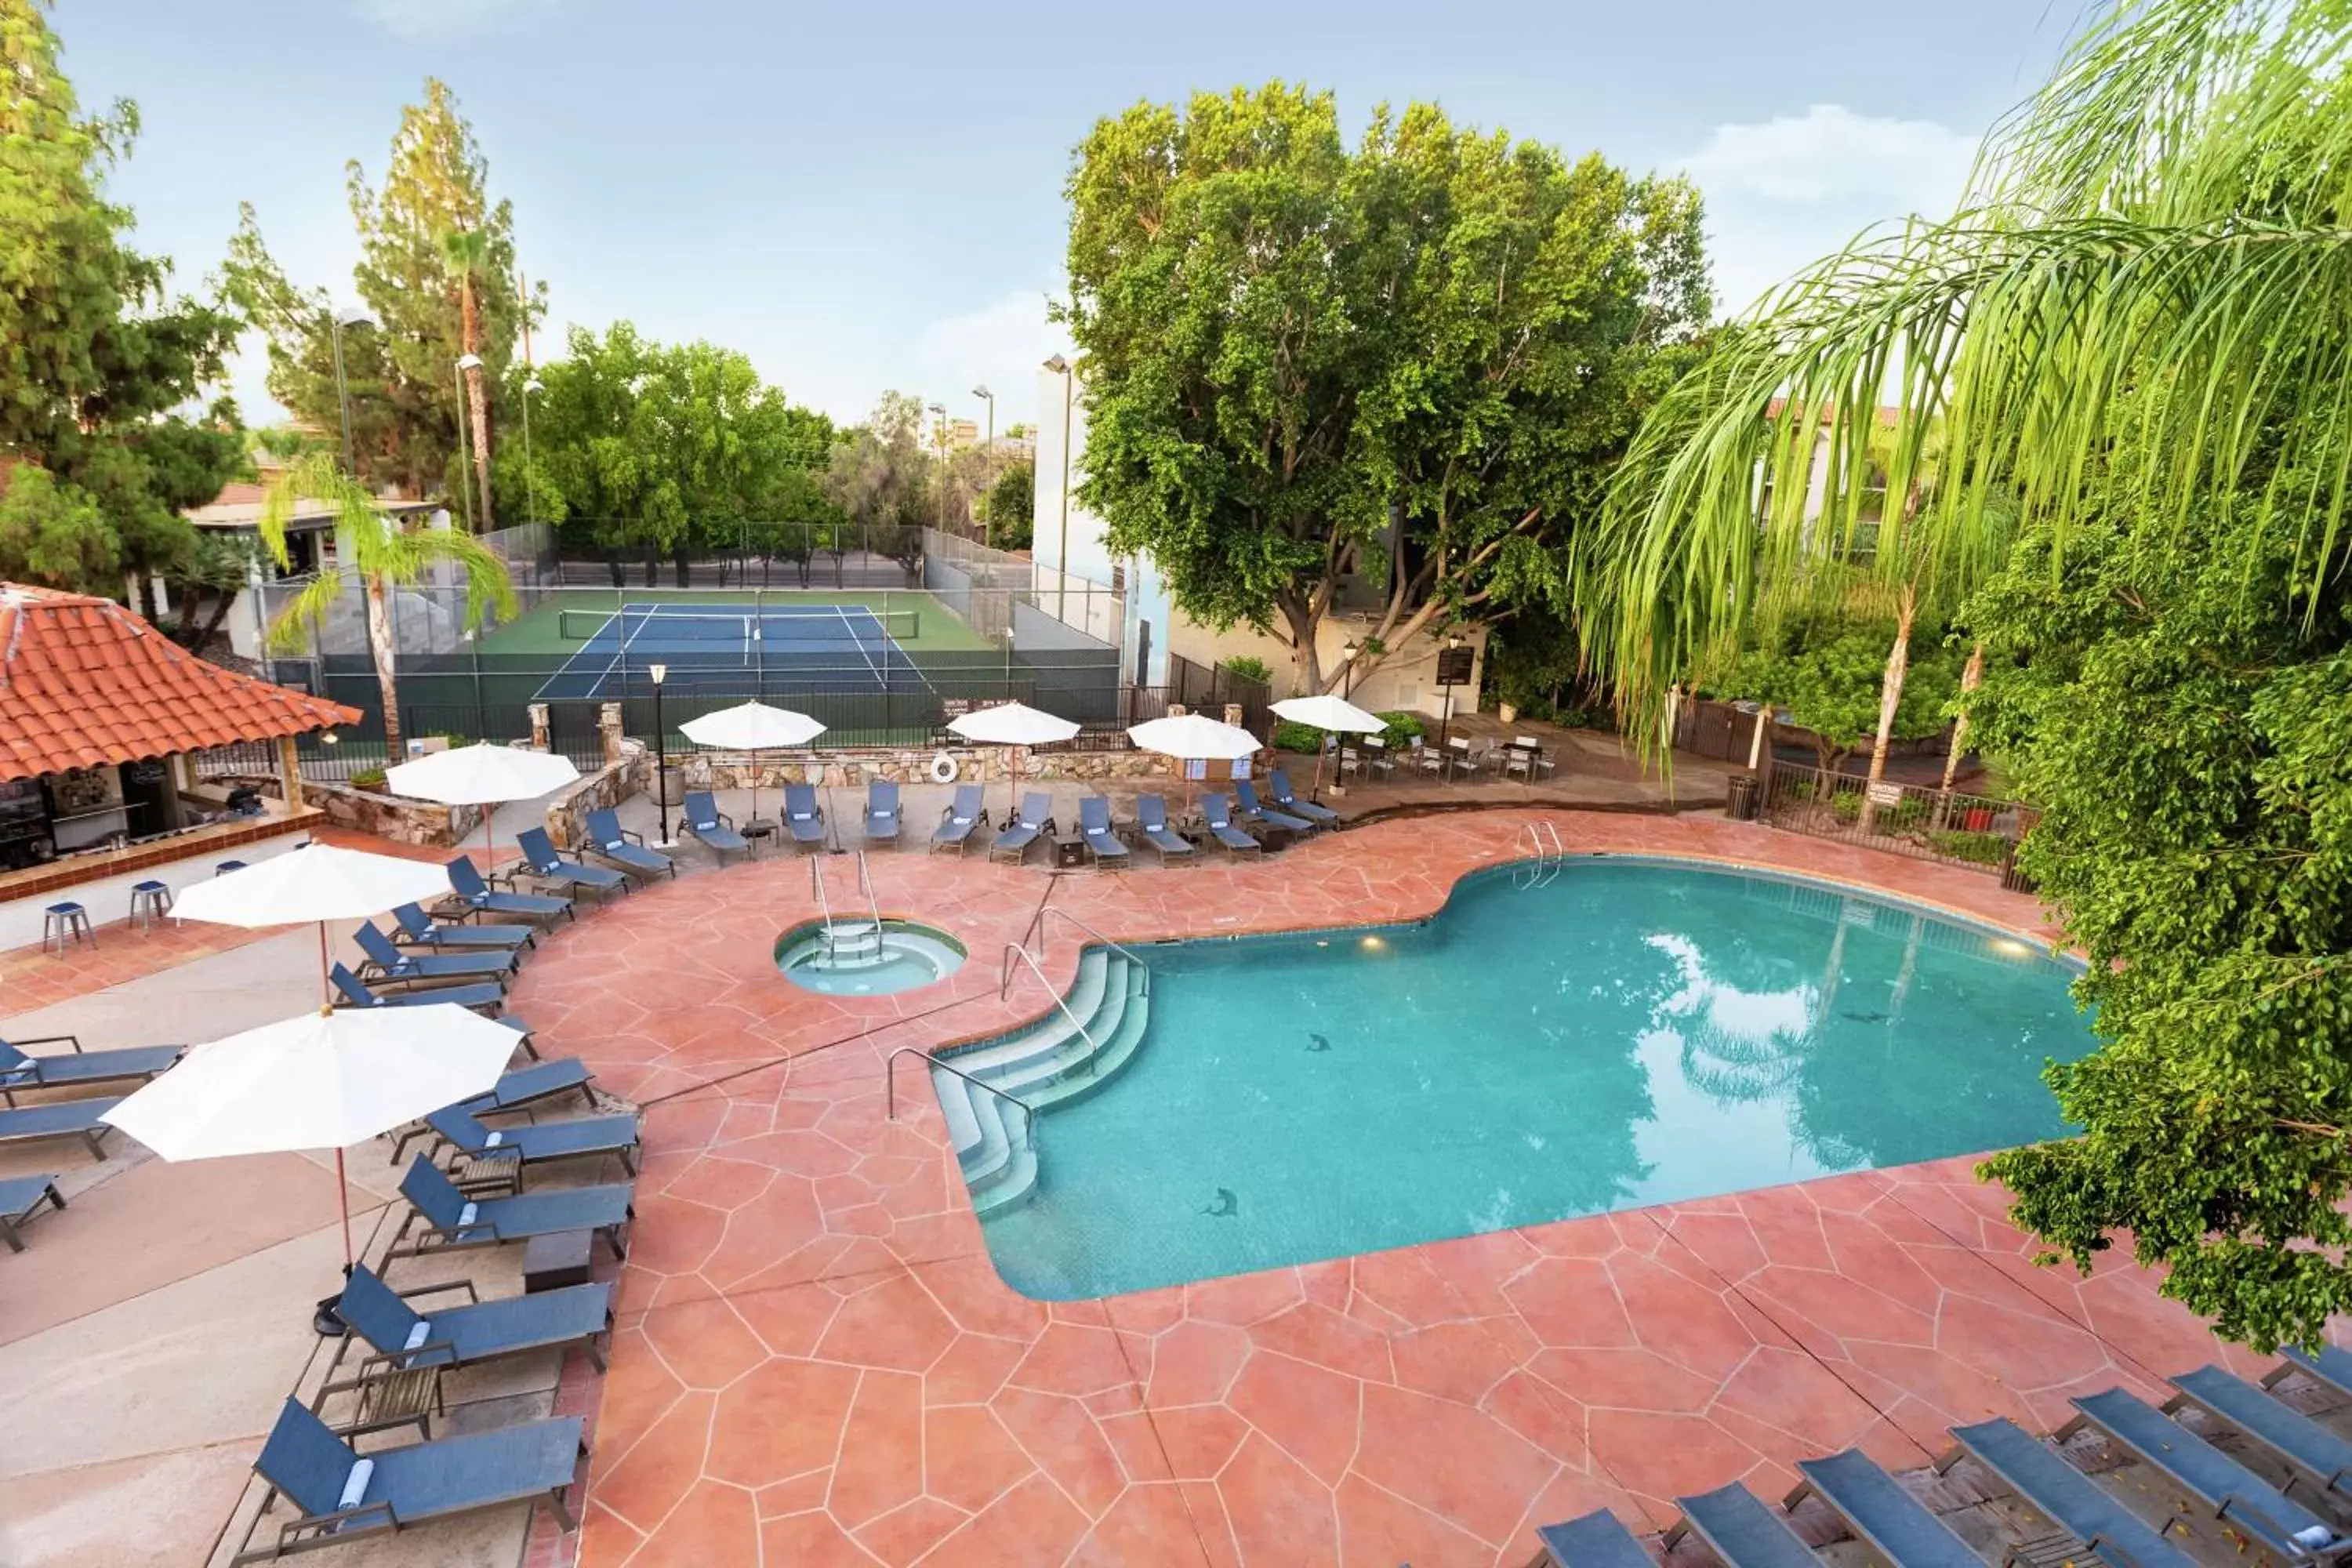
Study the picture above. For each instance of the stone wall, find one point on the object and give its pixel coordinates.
(396, 817)
(853, 769)
(609, 785)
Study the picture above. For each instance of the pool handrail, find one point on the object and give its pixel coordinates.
(1005, 987)
(1038, 929)
(823, 904)
(890, 1088)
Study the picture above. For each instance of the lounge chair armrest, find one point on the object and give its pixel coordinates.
(337, 1522)
(472, 1294)
(726, 819)
(73, 1040)
(631, 835)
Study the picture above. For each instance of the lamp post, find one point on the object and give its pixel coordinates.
(940, 434)
(988, 452)
(1347, 652)
(659, 673)
(465, 444)
(349, 316)
(529, 475)
(1061, 367)
(1446, 723)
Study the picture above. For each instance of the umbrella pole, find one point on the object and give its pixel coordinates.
(326, 987)
(343, 1203)
(327, 1317)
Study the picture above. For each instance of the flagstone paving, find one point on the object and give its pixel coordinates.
(817, 1362)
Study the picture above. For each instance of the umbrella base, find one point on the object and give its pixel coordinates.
(327, 1319)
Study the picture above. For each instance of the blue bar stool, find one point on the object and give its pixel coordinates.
(150, 902)
(64, 920)
(226, 867)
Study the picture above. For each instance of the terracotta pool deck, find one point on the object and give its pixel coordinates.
(818, 1364)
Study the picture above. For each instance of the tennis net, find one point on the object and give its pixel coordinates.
(849, 623)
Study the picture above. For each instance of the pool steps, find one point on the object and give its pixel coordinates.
(1047, 1063)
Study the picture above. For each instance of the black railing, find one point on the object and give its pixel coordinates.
(1948, 826)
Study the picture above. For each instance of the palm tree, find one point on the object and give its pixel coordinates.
(384, 556)
(2151, 250)
(468, 254)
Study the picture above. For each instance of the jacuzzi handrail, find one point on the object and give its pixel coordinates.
(823, 904)
(1037, 929)
(1005, 987)
(890, 1088)
(865, 882)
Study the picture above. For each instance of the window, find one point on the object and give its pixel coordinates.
(1119, 576)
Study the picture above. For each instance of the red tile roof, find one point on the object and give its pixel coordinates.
(84, 681)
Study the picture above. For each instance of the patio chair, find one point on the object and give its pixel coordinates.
(713, 826)
(480, 898)
(2278, 1428)
(1893, 1523)
(1249, 808)
(881, 812)
(1426, 758)
(1523, 757)
(476, 1333)
(1151, 821)
(540, 858)
(20, 1068)
(623, 848)
(1278, 788)
(515, 1091)
(803, 816)
(419, 929)
(346, 1497)
(1217, 815)
(355, 994)
(1093, 826)
(60, 1118)
(1738, 1527)
(21, 1198)
(1034, 818)
(525, 1030)
(388, 964)
(1459, 758)
(1379, 763)
(443, 1218)
(2063, 1495)
(2226, 1489)
(957, 820)
(539, 1143)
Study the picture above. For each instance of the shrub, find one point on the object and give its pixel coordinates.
(1980, 848)
(1402, 727)
(1301, 738)
(369, 779)
(1249, 668)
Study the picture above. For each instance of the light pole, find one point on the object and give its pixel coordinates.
(349, 316)
(1446, 723)
(1347, 652)
(939, 435)
(1061, 367)
(988, 452)
(529, 475)
(465, 445)
(660, 673)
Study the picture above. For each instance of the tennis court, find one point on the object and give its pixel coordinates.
(846, 647)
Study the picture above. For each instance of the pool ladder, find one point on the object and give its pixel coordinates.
(833, 931)
(1541, 855)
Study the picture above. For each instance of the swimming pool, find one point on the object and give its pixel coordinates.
(1608, 1034)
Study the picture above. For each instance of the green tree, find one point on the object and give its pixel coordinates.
(1410, 366)
(1011, 506)
(467, 253)
(98, 358)
(402, 371)
(882, 480)
(384, 556)
(1828, 671)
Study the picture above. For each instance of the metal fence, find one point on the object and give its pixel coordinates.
(1947, 826)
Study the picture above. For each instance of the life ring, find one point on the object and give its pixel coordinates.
(944, 769)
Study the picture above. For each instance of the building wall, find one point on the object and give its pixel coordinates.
(1144, 635)
(1406, 678)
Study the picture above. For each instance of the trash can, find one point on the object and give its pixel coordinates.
(1741, 806)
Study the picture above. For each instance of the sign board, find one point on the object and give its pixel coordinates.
(1454, 665)
(1886, 794)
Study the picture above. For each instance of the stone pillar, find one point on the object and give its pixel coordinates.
(538, 712)
(1234, 714)
(289, 771)
(1177, 711)
(608, 725)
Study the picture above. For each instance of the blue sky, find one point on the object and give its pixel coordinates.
(868, 196)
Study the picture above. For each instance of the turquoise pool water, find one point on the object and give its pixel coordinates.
(1626, 1033)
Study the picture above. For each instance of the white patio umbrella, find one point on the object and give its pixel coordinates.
(1013, 725)
(317, 883)
(324, 1079)
(1333, 715)
(1194, 737)
(753, 727)
(485, 773)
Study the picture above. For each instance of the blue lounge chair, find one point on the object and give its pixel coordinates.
(480, 898)
(1246, 806)
(2289, 1434)
(540, 858)
(1035, 817)
(881, 811)
(515, 1091)
(1217, 815)
(1093, 826)
(2230, 1491)
(443, 1218)
(1278, 787)
(355, 994)
(473, 1333)
(2063, 1495)
(539, 1142)
(19, 1069)
(1883, 1516)
(388, 964)
(2330, 1366)
(1151, 821)
(804, 815)
(623, 848)
(1740, 1531)
(346, 1497)
(419, 929)
(523, 1030)
(60, 1118)
(957, 820)
(713, 826)
(21, 1198)
(1595, 1541)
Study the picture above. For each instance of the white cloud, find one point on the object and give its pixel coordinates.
(1000, 346)
(1784, 192)
(439, 19)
